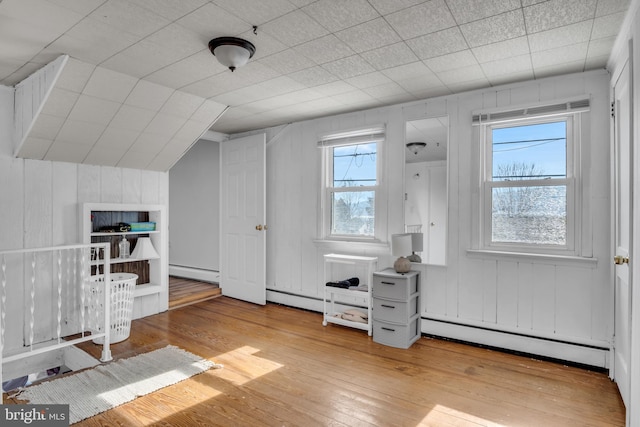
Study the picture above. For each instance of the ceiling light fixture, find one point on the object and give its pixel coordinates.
(232, 52)
(416, 147)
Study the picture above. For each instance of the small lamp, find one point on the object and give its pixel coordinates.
(144, 249)
(400, 246)
(416, 246)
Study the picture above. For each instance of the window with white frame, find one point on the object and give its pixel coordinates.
(351, 184)
(530, 182)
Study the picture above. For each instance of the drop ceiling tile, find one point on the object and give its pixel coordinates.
(256, 12)
(179, 41)
(60, 102)
(428, 17)
(46, 126)
(190, 131)
(368, 80)
(368, 36)
(294, 28)
(409, 71)
(75, 75)
(336, 15)
(170, 9)
(385, 90)
(105, 156)
(560, 55)
(348, 67)
(461, 59)
(200, 22)
(596, 62)
(165, 124)
(514, 65)
(465, 11)
(117, 138)
(81, 41)
(557, 13)
(313, 76)
(502, 79)
(150, 142)
(563, 68)
(390, 56)
(79, 133)
(128, 17)
(46, 16)
(287, 61)
(385, 7)
(354, 97)
(164, 160)
(94, 110)
(437, 44)
(607, 7)
(607, 26)
(334, 88)
(423, 84)
(494, 29)
(35, 148)
(61, 151)
(324, 49)
(562, 36)
(601, 47)
(83, 7)
(132, 118)
(209, 87)
(148, 95)
(460, 75)
(182, 104)
(141, 59)
(208, 112)
(110, 85)
(187, 71)
(134, 160)
(466, 86)
(502, 50)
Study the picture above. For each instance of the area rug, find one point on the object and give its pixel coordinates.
(98, 389)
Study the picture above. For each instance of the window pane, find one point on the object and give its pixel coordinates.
(353, 213)
(530, 152)
(354, 165)
(532, 215)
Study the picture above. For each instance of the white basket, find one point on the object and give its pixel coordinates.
(122, 287)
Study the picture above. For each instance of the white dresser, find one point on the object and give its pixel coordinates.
(396, 308)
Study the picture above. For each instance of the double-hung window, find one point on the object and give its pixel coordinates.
(351, 184)
(530, 183)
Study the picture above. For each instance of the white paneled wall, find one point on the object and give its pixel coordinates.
(545, 305)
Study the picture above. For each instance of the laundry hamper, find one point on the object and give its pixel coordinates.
(122, 287)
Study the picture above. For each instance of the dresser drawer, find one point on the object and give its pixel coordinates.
(394, 335)
(394, 311)
(396, 286)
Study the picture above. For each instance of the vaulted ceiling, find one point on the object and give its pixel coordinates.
(140, 85)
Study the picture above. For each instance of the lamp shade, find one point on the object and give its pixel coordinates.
(401, 244)
(232, 52)
(144, 249)
(416, 242)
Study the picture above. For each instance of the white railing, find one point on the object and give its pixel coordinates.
(48, 300)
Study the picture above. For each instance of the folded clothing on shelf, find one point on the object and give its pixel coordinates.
(345, 284)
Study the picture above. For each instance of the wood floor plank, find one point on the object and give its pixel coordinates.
(283, 368)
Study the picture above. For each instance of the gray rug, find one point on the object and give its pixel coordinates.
(99, 389)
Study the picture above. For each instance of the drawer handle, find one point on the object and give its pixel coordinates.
(388, 329)
(388, 283)
(387, 306)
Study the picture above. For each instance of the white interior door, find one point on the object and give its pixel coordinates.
(242, 217)
(623, 179)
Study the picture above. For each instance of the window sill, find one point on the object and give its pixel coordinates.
(371, 244)
(533, 257)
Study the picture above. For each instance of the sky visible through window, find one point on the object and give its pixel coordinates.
(542, 148)
(354, 165)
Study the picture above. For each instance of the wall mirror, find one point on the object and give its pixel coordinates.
(425, 206)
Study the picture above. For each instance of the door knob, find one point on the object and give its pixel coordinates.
(619, 260)
(259, 227)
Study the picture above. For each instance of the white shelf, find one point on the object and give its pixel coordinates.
(120, 233)
(147, 289)
(354, 298)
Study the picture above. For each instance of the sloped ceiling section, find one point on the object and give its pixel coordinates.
(97, 116)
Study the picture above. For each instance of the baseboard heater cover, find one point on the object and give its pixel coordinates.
(582, 354)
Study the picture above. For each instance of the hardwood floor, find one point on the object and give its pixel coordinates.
(282, 367)
(188, 291)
